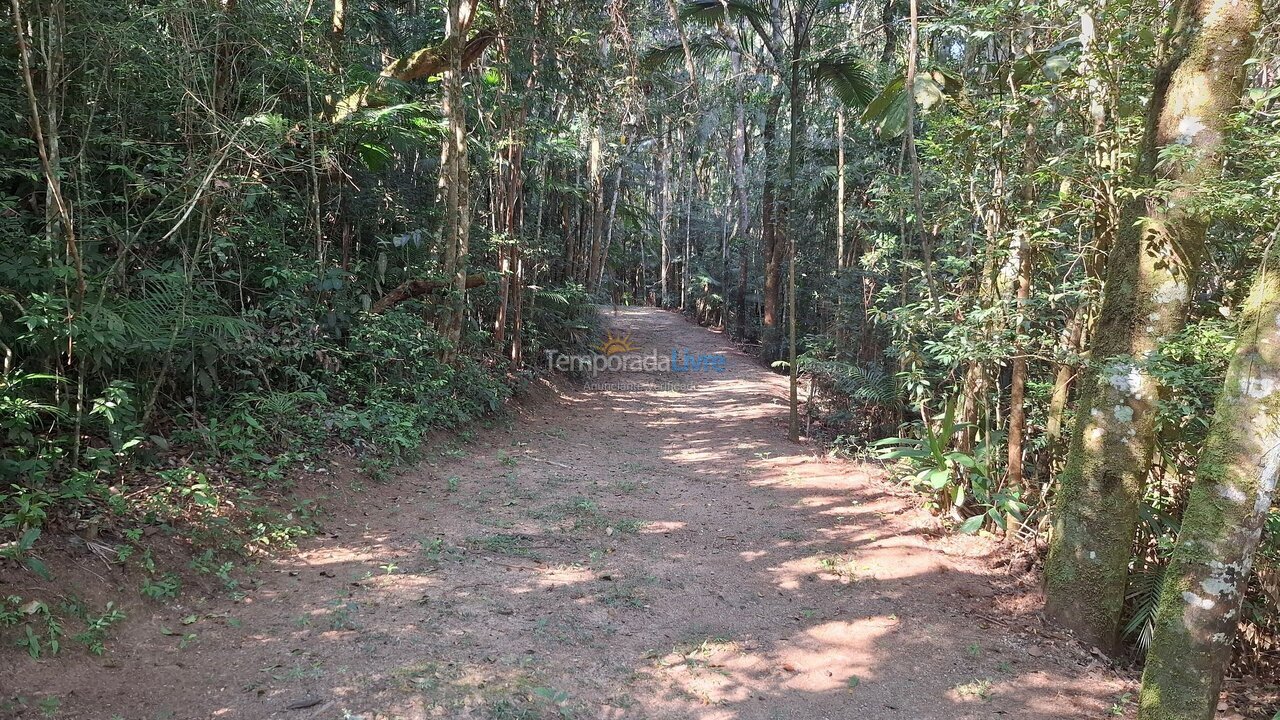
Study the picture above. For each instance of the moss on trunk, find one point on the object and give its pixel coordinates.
(1151, 275)
(1236, 479)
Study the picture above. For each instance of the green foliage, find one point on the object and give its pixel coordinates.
(39, 631)
(954, 479)
(94, 635)
(165, 587)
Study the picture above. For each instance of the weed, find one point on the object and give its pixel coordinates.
(165, 587)
(503, 544)
(40, 632)
(49, 706)
(431, 548)
(624, 593)
(630, 525)
(838, 565)
(94, 635)
(980, 689)
(340, 616)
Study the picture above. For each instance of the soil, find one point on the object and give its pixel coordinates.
(641, 546)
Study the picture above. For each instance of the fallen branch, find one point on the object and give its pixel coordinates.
(418, 64)
(411, 289)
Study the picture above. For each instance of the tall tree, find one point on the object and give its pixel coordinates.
(1204, 585)
(454, 172)
(1151, 274)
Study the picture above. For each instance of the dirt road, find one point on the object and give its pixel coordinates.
(637, 550)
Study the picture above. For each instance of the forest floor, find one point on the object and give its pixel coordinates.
(639, 550)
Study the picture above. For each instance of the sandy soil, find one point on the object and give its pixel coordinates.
(631, 551)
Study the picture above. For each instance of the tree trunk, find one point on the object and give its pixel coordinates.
(1062, 379)
(1151, 274)
(453, 171)
(664, 216)
(609, 221)
(774, 244)
(1200, 605)
(738, 159)
(1018, 384)
(418, 64)
(799, 128)
(596, 173)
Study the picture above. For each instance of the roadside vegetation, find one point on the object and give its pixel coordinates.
(1022, 255)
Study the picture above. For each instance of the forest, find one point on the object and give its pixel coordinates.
(1011, 259)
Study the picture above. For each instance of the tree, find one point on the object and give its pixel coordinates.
(1235, 483)
(454, 174)
(1151, 275)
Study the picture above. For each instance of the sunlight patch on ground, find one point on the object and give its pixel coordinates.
(655, 527)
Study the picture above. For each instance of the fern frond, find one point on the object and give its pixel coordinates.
(1143, 597)
(713, 12)
(848, 76)
(702, 48)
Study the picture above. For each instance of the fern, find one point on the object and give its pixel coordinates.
(1143, 597)
(702, 48)
(170, 314)
(713, 12)
(869, 385)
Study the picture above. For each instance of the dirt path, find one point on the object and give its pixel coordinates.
(612, 553)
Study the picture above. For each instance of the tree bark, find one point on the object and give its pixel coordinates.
(1199, 609)
(595, 171)
(454, 174)
(411, 289)
(738, 159)
(772, 240)
(664, 215)
(1151, 275)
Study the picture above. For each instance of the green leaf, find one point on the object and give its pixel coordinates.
(887, 112)
(375, 157)
(848, 76)
(908, 453)
(1056, 67)
(712, 12)
(973, 524)
(37, 566)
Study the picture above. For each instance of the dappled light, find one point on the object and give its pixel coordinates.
(640, 360)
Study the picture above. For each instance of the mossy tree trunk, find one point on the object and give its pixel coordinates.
(1150, 278)
(454, 173)
(1235, 481)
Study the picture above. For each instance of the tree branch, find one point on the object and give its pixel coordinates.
(416, 65)
(411, 289)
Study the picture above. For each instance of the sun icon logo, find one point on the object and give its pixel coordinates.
(615, 344)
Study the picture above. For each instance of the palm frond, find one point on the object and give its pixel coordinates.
(848, 76)
(713, 12)
(702, 48)
(169, 314)
(1143, 596)
(887, 111)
